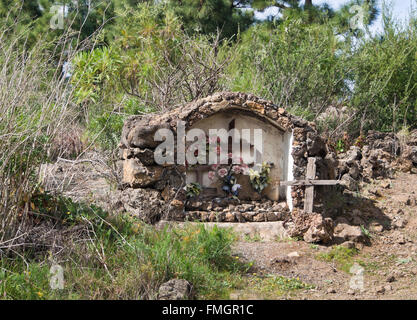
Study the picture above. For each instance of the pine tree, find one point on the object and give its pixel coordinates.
(313, 13)
(82, 16)
(208, 16)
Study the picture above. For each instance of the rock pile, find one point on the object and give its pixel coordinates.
(145, 204)
(382, 153)
(312, 228)
(175, 289)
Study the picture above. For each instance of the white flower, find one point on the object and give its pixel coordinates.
(253, 173)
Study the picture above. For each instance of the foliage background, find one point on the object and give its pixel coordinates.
(307, 60)
(138, 56)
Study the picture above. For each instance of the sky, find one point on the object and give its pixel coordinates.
(401, 10)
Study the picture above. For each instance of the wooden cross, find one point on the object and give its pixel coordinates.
(309, 183)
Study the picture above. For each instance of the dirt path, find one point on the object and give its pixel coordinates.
(389, 263)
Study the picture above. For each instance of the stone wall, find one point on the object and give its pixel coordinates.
(381, 155)
(141, 172)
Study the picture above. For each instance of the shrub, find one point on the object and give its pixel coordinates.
(152, 66)
(124, 259)
(385, 78)
(294, 64)
(359, 81)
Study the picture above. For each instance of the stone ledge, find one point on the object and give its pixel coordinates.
(265, 231)
(236, 216)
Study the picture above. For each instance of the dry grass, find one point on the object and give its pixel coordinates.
(35, 109)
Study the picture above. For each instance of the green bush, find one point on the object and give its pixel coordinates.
(151, 66)
(293, 64)
(123, 258)
(307, 67)
(385, 79)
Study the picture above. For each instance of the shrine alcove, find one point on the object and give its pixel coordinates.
(275, 151)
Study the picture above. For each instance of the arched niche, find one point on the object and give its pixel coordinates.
(276, 150)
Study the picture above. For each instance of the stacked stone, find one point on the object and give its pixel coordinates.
(249, 211)
(137, 145)
(382, 153)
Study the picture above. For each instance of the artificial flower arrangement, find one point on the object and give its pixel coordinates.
(259, 180)
(227, 174)
(192, 189)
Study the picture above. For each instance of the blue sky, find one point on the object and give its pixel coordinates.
(401, 10)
